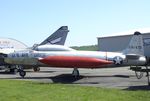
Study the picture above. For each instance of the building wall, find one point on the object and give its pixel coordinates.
(119, 43)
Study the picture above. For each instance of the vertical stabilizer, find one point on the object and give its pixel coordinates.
(135, 46)
(58, 37)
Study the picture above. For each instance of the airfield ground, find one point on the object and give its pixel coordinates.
(121, 78)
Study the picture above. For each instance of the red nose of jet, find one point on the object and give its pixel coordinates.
(74, 61)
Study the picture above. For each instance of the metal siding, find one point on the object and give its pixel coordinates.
(147, 47)
(118, 43)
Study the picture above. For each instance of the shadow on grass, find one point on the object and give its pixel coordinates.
(7, 73)
(65, 78)
(107, 76)
(135, 88)
(68, 78)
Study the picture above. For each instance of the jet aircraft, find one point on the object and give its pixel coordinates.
(61, 56)
(57, 38)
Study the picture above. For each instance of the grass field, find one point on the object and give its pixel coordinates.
(13, 90)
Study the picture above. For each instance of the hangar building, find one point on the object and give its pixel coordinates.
(11, 43)
(119, 41)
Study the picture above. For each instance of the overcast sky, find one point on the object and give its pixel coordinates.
(31, 21)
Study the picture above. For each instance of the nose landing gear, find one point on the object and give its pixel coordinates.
(21, 71)
(139, 71)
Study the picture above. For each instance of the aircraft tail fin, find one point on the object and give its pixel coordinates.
(58, 37)
(135, 46)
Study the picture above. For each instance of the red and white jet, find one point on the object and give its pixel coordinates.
(61, 56)
(57, 38)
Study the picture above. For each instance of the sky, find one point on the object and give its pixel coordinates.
(31, 21)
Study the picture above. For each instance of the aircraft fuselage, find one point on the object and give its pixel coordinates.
(80, 59)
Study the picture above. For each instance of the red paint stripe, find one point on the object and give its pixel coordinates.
(74, 61)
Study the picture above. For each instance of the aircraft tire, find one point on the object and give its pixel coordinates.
(36, 69)
(22, 73)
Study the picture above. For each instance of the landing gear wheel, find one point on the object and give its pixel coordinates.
(148, 79)
(36, 69)
(139, 75)
(22, 73)
(75, 72)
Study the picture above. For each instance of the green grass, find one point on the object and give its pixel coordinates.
(89, 48)
(13, 90)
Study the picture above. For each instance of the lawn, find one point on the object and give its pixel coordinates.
(16, 90)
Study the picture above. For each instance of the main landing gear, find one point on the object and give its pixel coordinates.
(139, 71)
(36, 69)
(75, 72)
(10, 69)
(21, 71)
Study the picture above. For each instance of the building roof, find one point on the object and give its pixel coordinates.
(130, 32)
(11, 43)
